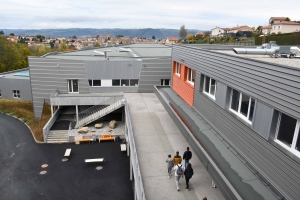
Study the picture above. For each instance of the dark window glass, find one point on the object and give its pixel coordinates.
(297, 147)
(134, 82)
(161, 82)
(116, 82)
(167, 81)
(96, 82)
(245, 105)
(207, 80)
(91, 82)
(70, 86)
(125, 82)
(213, 87)
(251, 109)
(75, 85)
(286, 129)
(235, 100)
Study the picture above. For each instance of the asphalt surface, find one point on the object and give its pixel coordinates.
(21, 160)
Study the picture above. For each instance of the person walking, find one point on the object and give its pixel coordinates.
(187, 155)
(188, 173)
(170, 164)
(177, 158)
(179, 171)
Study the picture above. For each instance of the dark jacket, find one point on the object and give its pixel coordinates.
(187, 155)
(188, 172)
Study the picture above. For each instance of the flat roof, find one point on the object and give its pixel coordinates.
(20, 74)
(141, 51)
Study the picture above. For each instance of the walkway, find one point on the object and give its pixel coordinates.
(156, 136)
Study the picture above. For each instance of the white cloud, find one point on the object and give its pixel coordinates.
(194, 14)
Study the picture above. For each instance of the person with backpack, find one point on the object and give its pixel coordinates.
(170, 165)
(187, 155)
(188, 173)
(179, 171)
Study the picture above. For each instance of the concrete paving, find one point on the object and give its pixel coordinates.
(156, 135)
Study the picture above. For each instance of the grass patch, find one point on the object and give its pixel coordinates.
(24, 111)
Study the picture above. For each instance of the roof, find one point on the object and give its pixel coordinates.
(172, 39)
(278, 18)
(142, 51)
(17, 74)
(266, 27)
(240, 28)
(286, 23)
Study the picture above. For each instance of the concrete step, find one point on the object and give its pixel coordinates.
(57, 136)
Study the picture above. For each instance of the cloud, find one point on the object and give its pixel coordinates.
(194, 14)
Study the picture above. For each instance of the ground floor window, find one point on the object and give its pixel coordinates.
(242, 104)
(116, 82)
(125, 82)
(16, 94)
(165, 82)
(288, 131)
(73, 86)
(134, 82)
(95, 83)
(113, 82)
(0, 92)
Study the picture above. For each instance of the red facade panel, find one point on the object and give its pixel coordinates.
(182, 87)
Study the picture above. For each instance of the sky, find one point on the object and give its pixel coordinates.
(194, 14)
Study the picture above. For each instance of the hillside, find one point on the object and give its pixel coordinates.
(84, 32)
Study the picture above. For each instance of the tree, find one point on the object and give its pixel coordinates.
(272, 22)
(182, 32)
(63, 46)
(1, 32)
(287, 19)
(153, 37)
(74, 37)
(12, 34)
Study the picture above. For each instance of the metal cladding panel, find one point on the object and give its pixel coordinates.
(256, 79)
(221, 94)
(152, 71)
(263, 119)
(113, 89)
(8, 85)
(47, 74)
(183, 89)
(276, 85)
(113, 69)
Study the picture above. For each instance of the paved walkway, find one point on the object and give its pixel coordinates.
(156, 136)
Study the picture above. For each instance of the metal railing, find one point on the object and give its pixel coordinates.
(139, 187)
(97, 111)
(49, 124)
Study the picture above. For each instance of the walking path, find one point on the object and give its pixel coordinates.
(156, 135)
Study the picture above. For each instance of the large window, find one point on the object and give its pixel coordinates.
(287, 134)
(16, 94)
(73, 86)
(210, 86)
(190, 75)
(242, 104)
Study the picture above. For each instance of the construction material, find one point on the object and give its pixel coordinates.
(106, 137)
(123, 147)
(78, 140)
(94, 160)
(67, 153)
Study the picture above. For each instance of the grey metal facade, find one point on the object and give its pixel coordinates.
(273, 86)
(48, 74)
(8, 85)
(152, 71)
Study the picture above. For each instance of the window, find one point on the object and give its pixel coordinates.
(0, 92)
(210, 86)
(16, 94)
(288, 131)
(242, 104)
(124, 82)
(177, 70)
(164, 81)
(73, 86)
(91, 82)
(190, 76)
(96, 82)
(116, 82)
(134, 82)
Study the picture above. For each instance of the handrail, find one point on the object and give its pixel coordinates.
(139, 188)
(54, 92)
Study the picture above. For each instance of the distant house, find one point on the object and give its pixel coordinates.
(215, 32)
(240, 28)
(277, 19)
(171, 40)
(13, 38)
(285, 27)
(266, 30)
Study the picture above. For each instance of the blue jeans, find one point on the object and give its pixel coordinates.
(186, 162)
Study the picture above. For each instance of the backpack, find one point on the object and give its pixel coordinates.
(179, 170)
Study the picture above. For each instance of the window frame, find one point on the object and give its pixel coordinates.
(189, 75)
(177, 68)
(209, 89)
(72, 85)
(16, 94)
(296, 136)
(238, 113)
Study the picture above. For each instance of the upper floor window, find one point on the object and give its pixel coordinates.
(210, 86)
(190, 75)
(242, 104)
(72, 86)
(16, 94)
(177, 70)
(287, 134)
(95, 83)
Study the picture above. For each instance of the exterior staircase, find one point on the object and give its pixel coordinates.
(92, 114)
(58, 136)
